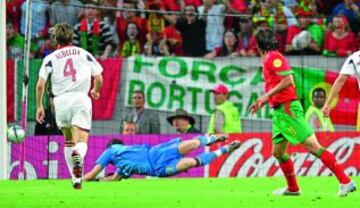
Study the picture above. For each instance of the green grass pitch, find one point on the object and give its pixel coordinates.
(317, 192)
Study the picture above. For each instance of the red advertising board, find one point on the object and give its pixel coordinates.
(254, 157)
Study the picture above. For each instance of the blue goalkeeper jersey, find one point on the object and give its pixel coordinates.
(128, 160)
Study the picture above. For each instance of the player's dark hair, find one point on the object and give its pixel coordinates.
(319, 89)
(224, 51)
(114, 141)
(266, 40)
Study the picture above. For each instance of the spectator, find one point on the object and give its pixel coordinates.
(192, 30)
(175, 40)
(213, 15)
(69, 11)
(196, 3)
(171, 5)
(229, 46)
(312, 6)
(254, 7)
(291, 4)
(326, 7)
(39, 24)
(305, 37)
(182, 122)
(157, 46)
(156, 22)
(165, 48)
(152, 46)
(132, 45)
(109, 18)
(279, 16)
(46, 47)
(314, 116)
(245, 47)
(262, 23)
(127, 16)
(350, 9)
(15, 44)
(128, 128)
(234, 7)
(13, 10)
(340, 41)
(146, 122)
(237, 6)
(92, 34)
(225, 118)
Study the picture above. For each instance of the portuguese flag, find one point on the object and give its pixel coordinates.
(345, 106)
(102, 109)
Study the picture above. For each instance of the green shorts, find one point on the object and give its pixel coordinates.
(289, 124)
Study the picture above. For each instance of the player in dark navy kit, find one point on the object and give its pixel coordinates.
(161, 160)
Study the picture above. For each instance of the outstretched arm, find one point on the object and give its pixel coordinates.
(338, 84)
(93, 173)
(90, 176)
(114, 177)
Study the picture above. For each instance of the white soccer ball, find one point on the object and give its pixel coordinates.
(16, 134)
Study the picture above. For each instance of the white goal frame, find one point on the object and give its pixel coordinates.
(3, 98)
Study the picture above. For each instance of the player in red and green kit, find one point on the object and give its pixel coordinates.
(289, 124)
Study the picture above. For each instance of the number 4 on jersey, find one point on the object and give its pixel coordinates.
(69, 70)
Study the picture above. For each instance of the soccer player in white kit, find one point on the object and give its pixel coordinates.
(69, 70)
(350, 67)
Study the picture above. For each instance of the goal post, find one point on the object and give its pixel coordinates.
(3, 109)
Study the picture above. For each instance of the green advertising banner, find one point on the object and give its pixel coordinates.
(178, 82)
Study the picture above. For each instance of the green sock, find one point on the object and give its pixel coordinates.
(319, 152)
(284, 158)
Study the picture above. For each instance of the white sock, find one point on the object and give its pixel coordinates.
(68, 152)
(218, 153)
(81, 148)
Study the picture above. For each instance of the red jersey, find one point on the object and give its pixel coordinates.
(275, 66)
(341, 46)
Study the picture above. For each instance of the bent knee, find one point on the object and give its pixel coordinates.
(191, 162)
(313, 147)
(186, 163)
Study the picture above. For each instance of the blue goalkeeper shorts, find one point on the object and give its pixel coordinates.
(164, 157)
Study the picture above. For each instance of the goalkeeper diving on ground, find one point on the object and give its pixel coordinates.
(162, 160)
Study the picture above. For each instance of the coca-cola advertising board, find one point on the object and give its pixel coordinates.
(254, 158)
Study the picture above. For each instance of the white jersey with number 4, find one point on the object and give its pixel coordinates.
(352, 66)
(71, 69)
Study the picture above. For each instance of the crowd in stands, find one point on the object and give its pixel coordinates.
(194, 28)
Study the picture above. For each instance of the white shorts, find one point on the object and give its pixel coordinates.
(73, 109)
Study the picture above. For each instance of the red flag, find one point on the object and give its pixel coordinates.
(10, 89)
(104, 107)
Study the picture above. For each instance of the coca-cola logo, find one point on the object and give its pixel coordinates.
(254, 158)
